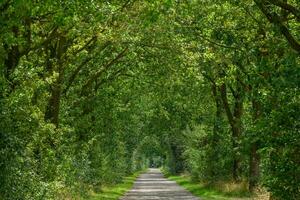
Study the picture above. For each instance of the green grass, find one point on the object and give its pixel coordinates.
(210, 192)
(116, 191)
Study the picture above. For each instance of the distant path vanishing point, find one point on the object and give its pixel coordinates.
(153, 185)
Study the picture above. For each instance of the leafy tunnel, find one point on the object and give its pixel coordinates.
(93, 91)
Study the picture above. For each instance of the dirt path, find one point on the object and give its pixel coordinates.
(152, 185)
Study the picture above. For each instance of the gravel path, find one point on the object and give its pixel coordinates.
(153, 185)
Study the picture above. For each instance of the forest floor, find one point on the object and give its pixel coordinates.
(116, 191)
(152, 184)
(222, 191)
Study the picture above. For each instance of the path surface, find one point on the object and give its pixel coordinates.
(153, 185)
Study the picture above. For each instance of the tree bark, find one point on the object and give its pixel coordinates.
(53, 107)
(12, 59)
(216, 129)
(254, 171)
(236, 125)
(254, 167)
(276, 20)
(52, 112)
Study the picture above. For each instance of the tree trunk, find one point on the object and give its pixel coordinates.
(12, 59)
(218, 113)
(52, 111)
(216, 131)
(237, 131)
(254, 171)
(254, 167)
(236, 160)
(236, 126)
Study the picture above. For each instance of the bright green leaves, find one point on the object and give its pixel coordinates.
(135, 83)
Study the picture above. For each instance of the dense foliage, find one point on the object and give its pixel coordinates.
(91, 91)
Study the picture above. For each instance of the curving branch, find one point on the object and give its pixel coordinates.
(86, 45)
(287, 7)
(79, 67)
(275, 19)
(111, 77)
(102, 70)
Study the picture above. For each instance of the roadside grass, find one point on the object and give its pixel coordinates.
(116, 191)
(220, 191)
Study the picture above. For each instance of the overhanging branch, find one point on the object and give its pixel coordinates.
(275, 19)
(102, 70)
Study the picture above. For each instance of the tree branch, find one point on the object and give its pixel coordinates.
(219, 44)
(275, 19)
(226, 104)
(92, 40)
(79, 67)
(102, 70)
(110, 78)
(287, 7)
(208, 78)
(233, 92)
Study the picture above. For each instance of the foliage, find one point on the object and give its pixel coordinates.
(92, 91)
(212, 192)
(116, 191)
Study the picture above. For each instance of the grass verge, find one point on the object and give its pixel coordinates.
(116, 191)
(222, 191)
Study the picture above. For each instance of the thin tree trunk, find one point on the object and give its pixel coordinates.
(236, 126)
(254, 167)
(216, 129)
(254, 171)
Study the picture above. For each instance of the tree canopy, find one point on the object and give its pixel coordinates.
(91, 91)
